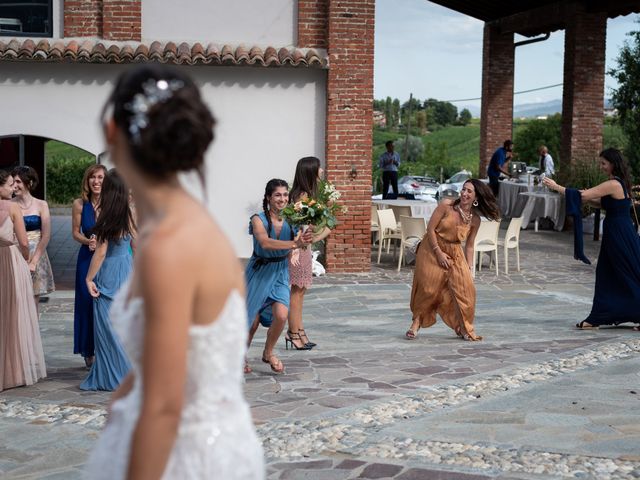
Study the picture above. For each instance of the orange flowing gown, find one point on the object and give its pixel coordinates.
(447, 292)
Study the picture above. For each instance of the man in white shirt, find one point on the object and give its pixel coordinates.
(546, 162)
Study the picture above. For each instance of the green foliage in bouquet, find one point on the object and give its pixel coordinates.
(319, 212)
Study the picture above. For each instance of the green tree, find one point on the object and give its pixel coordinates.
(465, 117)
(388, 111)
(535, 133)
(415, 148)
(395, 108)
(626, 98)
(421, 121)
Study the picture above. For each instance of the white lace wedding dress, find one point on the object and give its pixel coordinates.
(216, 438)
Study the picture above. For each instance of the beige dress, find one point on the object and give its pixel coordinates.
(21, 354)
(449, 293)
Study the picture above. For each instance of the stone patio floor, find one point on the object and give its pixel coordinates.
(535, 399)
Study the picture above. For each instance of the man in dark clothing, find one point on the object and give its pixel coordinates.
(499, 164)
(389, 162)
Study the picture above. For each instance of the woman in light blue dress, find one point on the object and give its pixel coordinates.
(267, 273)
(110, 267)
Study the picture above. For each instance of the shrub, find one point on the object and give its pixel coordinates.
(64, 178)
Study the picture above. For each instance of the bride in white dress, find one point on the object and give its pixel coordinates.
(181, 413)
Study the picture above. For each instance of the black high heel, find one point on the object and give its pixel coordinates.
(303, 335)
(290, 338)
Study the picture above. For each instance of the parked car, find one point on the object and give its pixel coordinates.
(418, 185)
(452, 186)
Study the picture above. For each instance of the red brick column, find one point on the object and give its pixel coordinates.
(583, 91)
(82, 18)
(312, 23)
(122, 20)
(496, 118)
(349, 129)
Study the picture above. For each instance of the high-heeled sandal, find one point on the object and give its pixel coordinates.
(305, 339)
(584, 325)
(274, 362)
(247, 368)
(410, 334)
(291, 338)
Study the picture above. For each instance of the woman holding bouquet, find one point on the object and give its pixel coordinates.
(305, 186)
(442, 281)
(267, 273)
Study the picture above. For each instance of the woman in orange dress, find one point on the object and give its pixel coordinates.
(442, 281)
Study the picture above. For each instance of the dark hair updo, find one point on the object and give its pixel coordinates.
(27, 175)
(4, 177)
(176, 130)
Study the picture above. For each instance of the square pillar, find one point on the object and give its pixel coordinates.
(496, 118)
(122, 20)
(312, 23)
(583, 91)
(349, 129)
(82, 18)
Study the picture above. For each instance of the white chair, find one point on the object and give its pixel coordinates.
(512, 240)
(388, 229)
(486, 242)
(400, 210)
(412, 229)
(375, 228)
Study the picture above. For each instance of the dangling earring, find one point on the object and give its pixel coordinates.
(475, 203)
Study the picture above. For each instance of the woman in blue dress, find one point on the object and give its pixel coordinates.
(84, 213)
(617, 292)
(109, 269)
(267, 273)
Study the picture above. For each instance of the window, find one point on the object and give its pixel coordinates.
(28, 18)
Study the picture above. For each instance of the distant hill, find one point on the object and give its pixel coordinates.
(529, 109)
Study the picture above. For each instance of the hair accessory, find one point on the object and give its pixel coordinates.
(153, 92)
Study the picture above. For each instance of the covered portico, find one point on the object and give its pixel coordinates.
(585, 25)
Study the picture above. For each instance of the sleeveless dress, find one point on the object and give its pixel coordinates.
(111, 364)
(267, 274)
(43, 276)
(301, 275)
(617, 291)
(449, 293)
(21, 354)
(216, 437)
(83, 308)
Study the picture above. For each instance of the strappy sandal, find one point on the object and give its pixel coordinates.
(247, 368)
(584, 325)
(274, 362)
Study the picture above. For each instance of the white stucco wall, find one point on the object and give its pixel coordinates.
(250, 22)
(267, 120)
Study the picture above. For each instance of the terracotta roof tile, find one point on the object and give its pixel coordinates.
(92, 51)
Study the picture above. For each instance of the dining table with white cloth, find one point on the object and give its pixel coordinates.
(543, 204)
(510, 202)
(419, 208)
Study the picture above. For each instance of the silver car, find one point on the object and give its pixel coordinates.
(452, 186)
(418, 185)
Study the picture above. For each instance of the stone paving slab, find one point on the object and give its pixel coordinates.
(318, 416)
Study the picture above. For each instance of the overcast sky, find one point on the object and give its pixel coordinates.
(434, 52)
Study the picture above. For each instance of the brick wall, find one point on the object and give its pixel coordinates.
(583, 93)
(122, 20)
(83, 18)
(496, 118)
(312, 23)
(349, 129)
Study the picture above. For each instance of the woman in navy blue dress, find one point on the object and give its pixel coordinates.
(110, 268)
(85, 211)
(617, 292)
(267, 273)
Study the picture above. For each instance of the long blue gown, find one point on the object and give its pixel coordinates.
(617, 292)
(111, 364)
(83, 309)
(267, 275)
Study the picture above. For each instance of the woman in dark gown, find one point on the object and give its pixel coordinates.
(84, 218)
(617, 292)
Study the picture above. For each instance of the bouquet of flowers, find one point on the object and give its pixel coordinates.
(317, 212)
